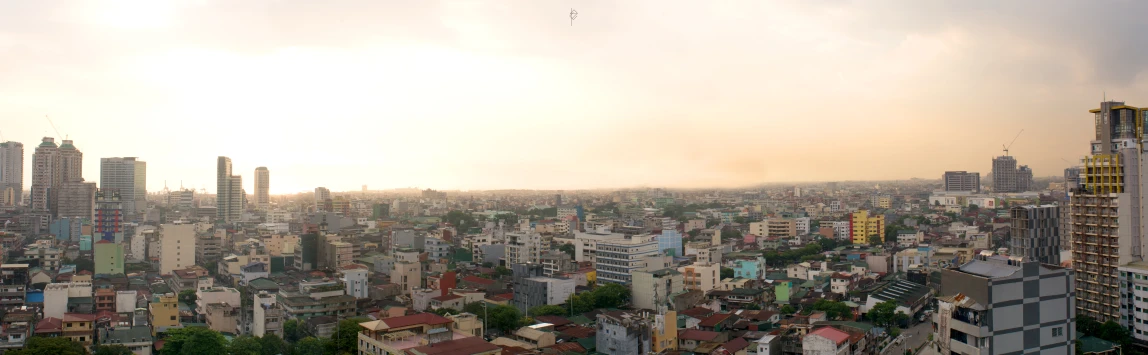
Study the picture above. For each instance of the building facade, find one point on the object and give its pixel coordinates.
(177, 247)
(862, 225)
(11, 173)
(962, 181)
(128, 177)
(108, 223)
(228, 193)
(262, 188)
(617, 259)
(1035, 233)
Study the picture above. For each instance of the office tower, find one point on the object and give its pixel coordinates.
(76, 199)
(228, 192)
(962, 181)
(109, 220)
(262, 188)
(1036, 233)
(1004, 174)
(1023, 179)
(862, 225)
(322, 194)
(128, 177)
(11, 173)
(45, 175)
(1106, 211)
(998, 305)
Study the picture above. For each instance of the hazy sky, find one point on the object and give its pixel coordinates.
(507, 94)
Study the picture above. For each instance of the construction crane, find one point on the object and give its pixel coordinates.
(53, 125)
(1006, 147)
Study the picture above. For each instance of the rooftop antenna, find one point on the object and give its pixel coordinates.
(1006, 147)
(53, 125)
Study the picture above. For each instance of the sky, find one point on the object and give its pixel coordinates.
(513, 94)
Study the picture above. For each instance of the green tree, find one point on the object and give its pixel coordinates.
(187, 296)
(753, 307)
(194, 341)
(583, 302)
(611, 295)
(244, 345)
(726, 273)
(85, 264)
(548, 310)
(502, 270)
(973, 207)
(504, 318)
(787, 310)
(50, 346)
(346, 335)
(292, 331)
(875, 239)
(568, 249)
(112, 350)
(833, 309)
(271, 344)
(885, 314)
(307, 346)
(740, 220)
(693, 233)
(474, 308)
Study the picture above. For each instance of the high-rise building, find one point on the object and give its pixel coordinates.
(228, 192)
(862, 225)
(998, 305)
(128, 176)
(1023, 178)
(11, 173)
(45, 175)
(177, 247)
(1107, 210)
(962, 181)
(1036, 233)
(71, 162)
(109, 220)
(262, 188)
(76, 199)
(322, 194)
(1004, 174)
(109, 257)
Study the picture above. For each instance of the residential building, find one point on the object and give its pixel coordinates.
(701, 277)
(962, 181)
(318, 298)
(109, 216)
(617, 259)
(108, 257)
(222, 317)
(523, 247)
(652, 289)
(128, 178)
(436, 248)
(49, 257)
(419, 332)
(862, 225)
(164, 312)
(229, 194)
(749, 267)
(322, 194)
(137, 338)
(1003, 305)
(1036, 233)
(408, 275)
(177, 246)
(46, 175)
(262, 188)
(11, 173)
(14, 280)
(268, 315)
(621, 333)
(1106, 210)
(531, 289)
(354, 277)
(556, 262)
(1134, 279)
(80, 327)
(825, 341)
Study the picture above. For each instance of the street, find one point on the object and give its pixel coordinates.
(914, 337)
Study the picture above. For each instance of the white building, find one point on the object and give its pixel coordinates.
(354, 277)
(268, 316)
(586, 244)
(126, 301)
(177, 246)
(701, 277)
(617, 259)
(129, 177)
(842, 230)
(802, 225)
(825, 341)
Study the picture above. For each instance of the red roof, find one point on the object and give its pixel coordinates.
(571, 347)
(49, 325)
(103, 241)
(697, 334)
(698, 312)
(478, 280)
(838, 337)
(735, 345)
(714, 320)
(79, 317)
(579, 332)
(508, 296)
(464, 346)
(414, 319)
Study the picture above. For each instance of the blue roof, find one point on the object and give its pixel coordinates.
(34, 297)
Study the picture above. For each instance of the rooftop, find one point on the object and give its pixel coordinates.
(837, 336)
(464, 346)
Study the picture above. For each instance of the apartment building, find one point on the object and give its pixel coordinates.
(1036, 233)
(702, 277)
(617, 259)
(862, 225)
(652, 289)
(523, 247)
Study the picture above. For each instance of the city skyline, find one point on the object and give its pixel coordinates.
(511, 95)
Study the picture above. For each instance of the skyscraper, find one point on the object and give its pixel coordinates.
(1106, 211)
(1036, 233)
(109, 220)
(1004, 174)
(962, 181)
(11, 173)
(45, 175)
(128, 177)
(262, 188)
(228, 192)
(76, 199)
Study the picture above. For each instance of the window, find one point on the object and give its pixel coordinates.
(172, 317)
(1058, 331)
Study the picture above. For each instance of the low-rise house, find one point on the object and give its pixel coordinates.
(138, 338)
(690, 339)
(80, 327)
(826, 341)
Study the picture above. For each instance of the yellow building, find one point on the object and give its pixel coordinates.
(665, 337)
(862, 225)
(79, 327)
(164, 310)
(885, 202)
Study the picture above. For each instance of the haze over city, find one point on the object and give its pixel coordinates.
(513, 94)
